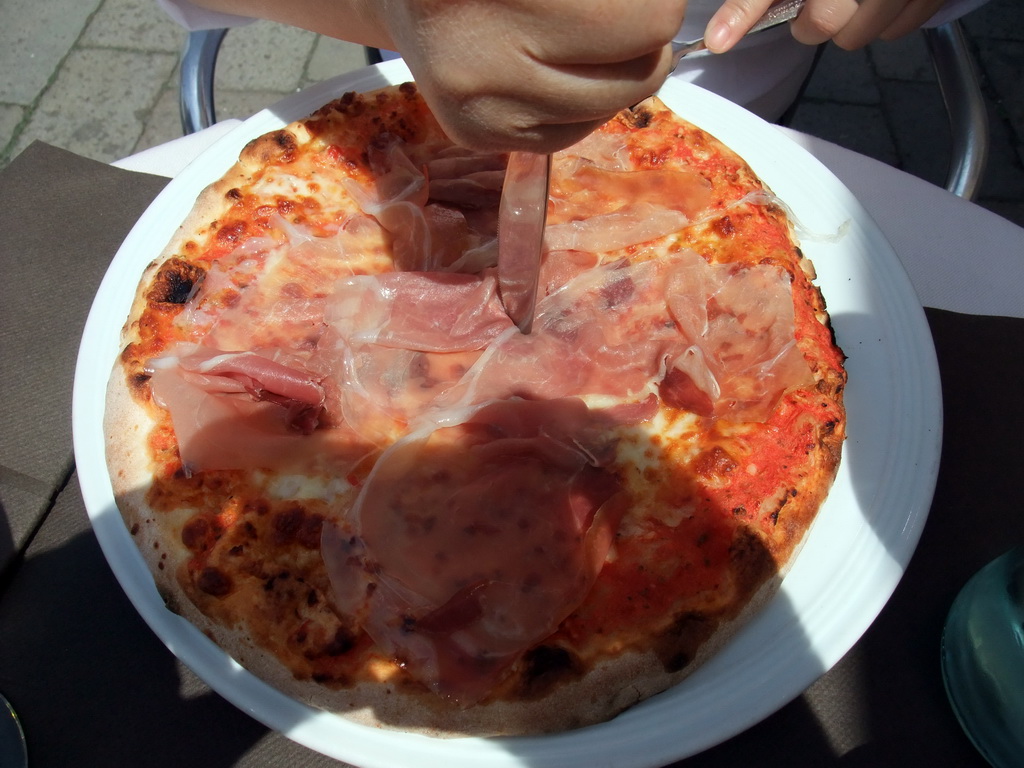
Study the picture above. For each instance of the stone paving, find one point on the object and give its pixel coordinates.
(100, 78)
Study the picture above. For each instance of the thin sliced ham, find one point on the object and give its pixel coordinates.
(559, 267)
(396, 342)
(741, 353)
(632, 224)
(586, 188)
(605, 332)
(600, 148)
(599, 203)
(428, 312)
(431, 222)
(473, 542)
(271, 293)
(246, 410)
(395, 176)
(264, 378)
(459, 162)
(481, 189)
(378, 391)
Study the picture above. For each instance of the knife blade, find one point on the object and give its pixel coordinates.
(522, 214)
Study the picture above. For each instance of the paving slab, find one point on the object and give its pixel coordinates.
(163, 123)
(843, 76)
(333, 57)
(1004, 172)
(859, 127)
(35, 36)
(11, 116)
(920, 127)
(97, 105)
(1002, 64)
(133, 24)
(263, 57)
(904, 59)
(244, 104)
(997, 19)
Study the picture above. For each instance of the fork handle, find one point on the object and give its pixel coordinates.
(779, 13)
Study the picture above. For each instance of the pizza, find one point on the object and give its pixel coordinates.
(346, 466)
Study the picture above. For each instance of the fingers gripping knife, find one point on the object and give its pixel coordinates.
(524, 200)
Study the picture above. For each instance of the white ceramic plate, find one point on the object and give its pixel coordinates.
(852, 561)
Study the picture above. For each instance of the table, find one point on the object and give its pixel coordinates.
(93, 685)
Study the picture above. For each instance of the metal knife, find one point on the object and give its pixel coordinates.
(522, 215)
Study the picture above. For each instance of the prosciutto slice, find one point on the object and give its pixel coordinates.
(583, 188)
(431, 222)
(247, 410)
(471, 543)
(625, 226)
(428, 312)
(606, 331)
(741, 352)
(396, 342)
(599, 205)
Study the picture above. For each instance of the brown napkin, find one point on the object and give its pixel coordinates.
(62, 218)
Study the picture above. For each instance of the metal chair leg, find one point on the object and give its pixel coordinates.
(198, 63)
(968, 120)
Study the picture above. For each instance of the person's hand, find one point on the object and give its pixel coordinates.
(532, 74)
(505, 74)
(848, 23)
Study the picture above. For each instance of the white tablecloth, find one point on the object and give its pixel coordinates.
(959, 256)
